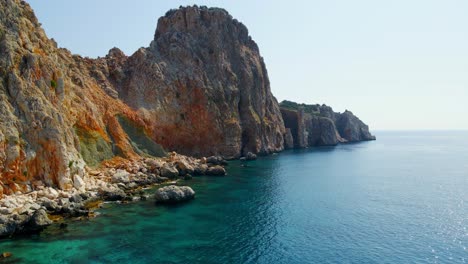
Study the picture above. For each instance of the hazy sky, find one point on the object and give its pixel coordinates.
(399, 64)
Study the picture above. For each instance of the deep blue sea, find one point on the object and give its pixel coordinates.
(400, 199)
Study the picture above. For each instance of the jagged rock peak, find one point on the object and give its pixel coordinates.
(204, 62)
(203, 22)
(116, 52)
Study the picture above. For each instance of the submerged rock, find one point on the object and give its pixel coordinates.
(174, 194)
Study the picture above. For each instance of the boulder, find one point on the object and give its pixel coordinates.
(38, 221)
(79, 183)
(160, 179)
(216, 160)
(216, 171)
(184, 167)
(174, 194)
(153, 164)
(112, 194)
(200, 169)
(6, 210)
(121, 176)
(8, 229)
(169, 171)
(76, 198)
(51, 193)
(251, 156)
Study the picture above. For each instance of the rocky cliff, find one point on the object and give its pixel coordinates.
(319, 125)
(204, 85)
(200, 88)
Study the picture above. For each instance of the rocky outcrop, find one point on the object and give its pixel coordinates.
(216, 170)
(56, 116)
(117, 180)
(38, 221)
(74, 129)
(200, 88)
(174, 194)
(204, 83)
(352, 128)
(319, 125)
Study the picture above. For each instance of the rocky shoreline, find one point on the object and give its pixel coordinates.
(200, 88)
(119, 180)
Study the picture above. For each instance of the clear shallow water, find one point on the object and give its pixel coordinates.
(400, 199)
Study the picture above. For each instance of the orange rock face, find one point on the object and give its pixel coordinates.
(201, 88)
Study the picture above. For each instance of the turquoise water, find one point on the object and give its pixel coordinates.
(400, 199)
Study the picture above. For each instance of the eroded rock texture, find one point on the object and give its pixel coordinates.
(203, 83)
(318, 125)
(201, 88)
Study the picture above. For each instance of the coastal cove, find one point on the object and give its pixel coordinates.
(401, 199)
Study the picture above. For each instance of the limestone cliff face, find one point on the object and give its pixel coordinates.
(56, 114)
(201, 88)
(318, 125)
(204, 84)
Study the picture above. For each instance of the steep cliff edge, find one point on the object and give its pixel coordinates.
(201, 88)
(75, 129)
(319, 125)
(56, 115)
(204, 84)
